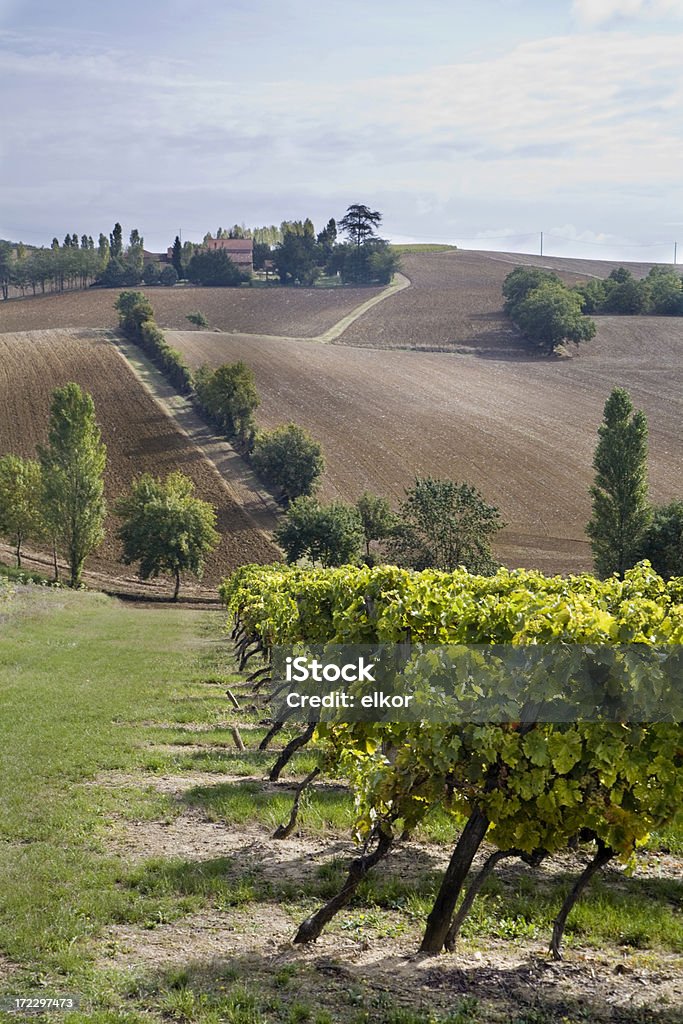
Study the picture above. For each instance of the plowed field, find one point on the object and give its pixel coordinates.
(455, 303)
(480, 408)
(139, 436)
(522, 430)
(295, 312)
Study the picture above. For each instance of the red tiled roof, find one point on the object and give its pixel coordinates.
(245, 245)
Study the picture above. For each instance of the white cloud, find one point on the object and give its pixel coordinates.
(560, 121)
(597, 12)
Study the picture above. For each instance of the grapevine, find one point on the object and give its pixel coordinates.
(530, 788)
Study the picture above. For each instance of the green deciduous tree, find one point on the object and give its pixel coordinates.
(215, 269)
(21, 515)
(666, 291)
(522, 280)
(552, 314)
(289, 458)
(166, 528)
(377, 518)
(229, 396)
(151, 273)
(168, 277)
(444, 525)
(118, 274)
(623, 294)
(662, 542)
(374, 262)
(296, 258)
(592, 294)
(329, 534)
(620, 508)
(6, 261)
(103, 250)
(133, 309)
(72, 465)
(135, 256)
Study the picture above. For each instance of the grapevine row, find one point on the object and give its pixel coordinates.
(529, 788)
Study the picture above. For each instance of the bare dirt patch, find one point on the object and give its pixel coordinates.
(7, 969)
(371, 958)
(139, 436)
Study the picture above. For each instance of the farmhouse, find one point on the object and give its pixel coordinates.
(240, 251)
(156, 257)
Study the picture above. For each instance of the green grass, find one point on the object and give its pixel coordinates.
(88, 686)
(11, 572)
(418, 247)
(669, 839)
(71, 667)
(322, 811)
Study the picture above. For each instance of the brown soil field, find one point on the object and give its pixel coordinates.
(571, 265)
(523, 430)
(139, 436)
(455, 302)
(294, 312)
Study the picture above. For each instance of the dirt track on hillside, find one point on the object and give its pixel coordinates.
(139, 436)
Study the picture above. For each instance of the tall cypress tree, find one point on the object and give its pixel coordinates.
(177, 256)
(620, 507)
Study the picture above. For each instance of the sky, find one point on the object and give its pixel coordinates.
(480, 123)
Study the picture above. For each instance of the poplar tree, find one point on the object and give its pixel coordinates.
(20, 501)
(116, 242)
(620, 507)
(72, 465)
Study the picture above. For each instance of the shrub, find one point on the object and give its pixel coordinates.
(520, 282)
(150, 274)
(214, 268)
(289, 458)
(329, 534)
(550, 315)
(136, 317)
(198, 319)
(228, 397)
(168, 276)
(663, 540)
(118, 275)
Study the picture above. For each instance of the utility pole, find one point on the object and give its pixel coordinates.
(541, 243)
(675, 252)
